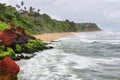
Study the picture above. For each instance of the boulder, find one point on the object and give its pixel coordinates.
(8, 69)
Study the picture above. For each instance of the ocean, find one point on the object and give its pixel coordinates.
(81, 56)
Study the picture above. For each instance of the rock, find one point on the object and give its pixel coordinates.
(48, 47)
(51, 47)
(22, 56)
(27, 57)
(16, 58)
(8, 69)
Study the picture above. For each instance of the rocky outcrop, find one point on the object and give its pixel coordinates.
(8, 69)
(13, 43)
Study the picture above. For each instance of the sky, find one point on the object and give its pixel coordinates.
(105, 13)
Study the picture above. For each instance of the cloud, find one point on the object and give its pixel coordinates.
(113, 0)
(112, 16)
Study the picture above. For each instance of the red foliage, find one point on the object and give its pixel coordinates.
(8, 67)
(11, 23)
(8, 37)
(9, 31)
(12, 36)
(1, 32)
(21, 30)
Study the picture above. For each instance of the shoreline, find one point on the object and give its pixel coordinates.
(52, 36)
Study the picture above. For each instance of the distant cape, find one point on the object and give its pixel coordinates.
(88, 27)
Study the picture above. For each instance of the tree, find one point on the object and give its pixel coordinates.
(36, 14)
(10, 9)
(67, 21)
(38, 10)
(30, 9)
(2, 8)
(17, 6)
(25, 8)
(22, 3)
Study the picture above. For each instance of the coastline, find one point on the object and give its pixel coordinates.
(52, 36)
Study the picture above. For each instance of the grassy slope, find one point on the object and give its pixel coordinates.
(39, 23)
(3, 26)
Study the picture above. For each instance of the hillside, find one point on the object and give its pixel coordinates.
(35, 23)
(88, 27)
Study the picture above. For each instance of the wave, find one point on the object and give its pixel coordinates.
(82, 56)
(101, 37)
(57, 65)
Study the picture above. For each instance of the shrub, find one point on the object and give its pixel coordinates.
(11, 51)
(3, 54)
(34, 45)
(18, 48)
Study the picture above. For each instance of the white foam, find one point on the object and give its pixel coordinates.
(55, 64)
(103, 37)
(46, 66)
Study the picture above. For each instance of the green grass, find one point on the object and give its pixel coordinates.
(3, 26)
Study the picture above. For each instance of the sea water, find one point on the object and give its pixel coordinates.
(82, 56)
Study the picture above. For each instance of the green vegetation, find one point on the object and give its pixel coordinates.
(11, 51)
(8, 52)
(4, 54)
(33, 46)
(36, 23)
(30, 47)
(18, 48)
(15, 42)
(3, 26)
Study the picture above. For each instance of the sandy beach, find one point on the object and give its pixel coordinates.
(52, 36)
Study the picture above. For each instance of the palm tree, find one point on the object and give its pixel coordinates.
(22, 3)
(17, 6)
(38, 10)
(31, 9)
(25, 8)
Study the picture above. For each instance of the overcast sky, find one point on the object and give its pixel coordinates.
(105, 13)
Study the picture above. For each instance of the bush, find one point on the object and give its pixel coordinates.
(29, 48)
(34, 45)
(18, 48)
(11, 51)
(3, 54)
(3, 26)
